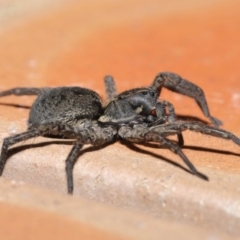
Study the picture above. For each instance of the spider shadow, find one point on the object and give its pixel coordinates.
(190, 118)
(211, 150)
(15, 105)
(15, 150)
(190, 147)
(134, 147)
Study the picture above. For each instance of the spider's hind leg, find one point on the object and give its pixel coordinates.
(21, 91)
(7, 142)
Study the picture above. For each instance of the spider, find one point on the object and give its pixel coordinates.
(135, 115)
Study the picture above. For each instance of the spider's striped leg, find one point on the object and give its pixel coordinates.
(165, 113)
(143, 134)
(21, 91)
(155, 137)
(110, 88)
(177, 84)
(7, 142)
(202, 128)
(95, 135)
(71, 159)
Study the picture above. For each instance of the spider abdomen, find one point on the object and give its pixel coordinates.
(65, 105)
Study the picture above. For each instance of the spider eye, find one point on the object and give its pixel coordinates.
(152, 94)
(144, 93)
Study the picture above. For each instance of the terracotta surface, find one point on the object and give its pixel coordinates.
(73, 43)
(60, 216)
(29, 222)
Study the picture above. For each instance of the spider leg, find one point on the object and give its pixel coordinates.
(180, 139)
(110, 88)
(71, 159)
(172, 118)
(7, 142)
(171, 111)
(94, 134)
(21, 91)
(177, 84)
(175, 149)
(202, 128)
(161, 113)
(143, 134)
(162, 116)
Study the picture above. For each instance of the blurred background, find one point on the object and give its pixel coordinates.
(77, 43)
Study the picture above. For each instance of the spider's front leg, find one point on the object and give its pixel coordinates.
(155, 137)
(198, 127)
(142, 134)
(165, 113)
(177, 84)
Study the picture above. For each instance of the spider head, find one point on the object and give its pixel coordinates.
(142, 100)
(130, 105)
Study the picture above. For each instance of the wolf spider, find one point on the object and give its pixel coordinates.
(135, 115)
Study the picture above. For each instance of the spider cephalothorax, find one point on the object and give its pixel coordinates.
(135, 115)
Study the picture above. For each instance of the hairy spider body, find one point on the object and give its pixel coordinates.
(135, 115)
(65, 105)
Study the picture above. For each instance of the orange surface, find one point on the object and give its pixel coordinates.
(26, 223)
(78, 43)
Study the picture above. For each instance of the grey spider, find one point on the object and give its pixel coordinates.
(135, 115)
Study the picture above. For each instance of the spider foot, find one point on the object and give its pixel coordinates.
(202, 176)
